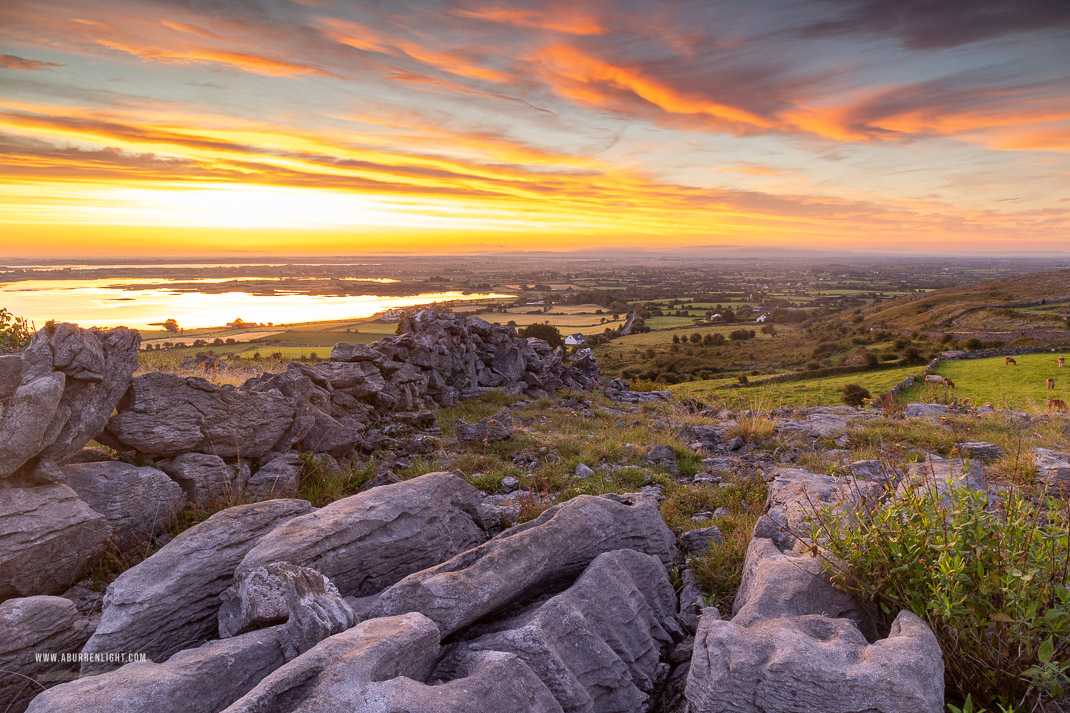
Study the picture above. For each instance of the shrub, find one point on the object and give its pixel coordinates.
(990, 581)
(544, 331)
(14, 331)
(855, 394)
(870, 360)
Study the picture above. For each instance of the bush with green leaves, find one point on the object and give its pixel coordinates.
(989, 576)
(15, 332)
(544, 331)
(855, 394)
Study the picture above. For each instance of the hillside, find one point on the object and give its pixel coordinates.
(1034, 306)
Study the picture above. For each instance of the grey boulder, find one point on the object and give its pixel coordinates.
(302, 598)
(32, 626)
(804, 497)
(47, 537)
(138, 503)
(276, 477)
(370, 540)
(492, 428)
(170, 601)
(164, 415)
(201, 680)
(382, 664)
(205, 478)
(25, 419)
(1053, 468)
(813, 663)
(529, 559)
(598, 645)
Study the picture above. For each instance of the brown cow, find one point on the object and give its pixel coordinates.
(1062, 361)
(948, 383)
(1051, 383)
(1057, 405)
(1009, 360)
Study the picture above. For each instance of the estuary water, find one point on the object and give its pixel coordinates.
(104, 303)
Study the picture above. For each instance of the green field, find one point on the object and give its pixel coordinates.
(1019, 387)
(823, 391)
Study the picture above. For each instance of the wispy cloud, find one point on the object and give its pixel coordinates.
(10, 61)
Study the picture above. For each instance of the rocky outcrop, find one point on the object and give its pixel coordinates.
(170, 601)
(70, 381)
(137, 502)
(206, 478)
(35, 626)
(529, 559)
(492, 428)
(47, 538)
(776, 585)
(599, 645)
(276, 477)
(200, 680)
(302, 598)
(814, 663)
(797, 495)
(163, 415)
(382, 665)
(368, 541)
(1053, 468)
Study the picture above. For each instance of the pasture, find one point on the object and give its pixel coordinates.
(1020, 387)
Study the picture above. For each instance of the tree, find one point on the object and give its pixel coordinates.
(170, 325)
(696, 338)
(544, 331)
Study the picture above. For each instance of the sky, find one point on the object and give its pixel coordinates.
(305, 127)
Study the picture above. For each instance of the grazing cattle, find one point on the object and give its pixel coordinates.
(948, 383)
(1009, 360)
(1057, 405)
(1062, 361)
(1051, 383)
(933, 379)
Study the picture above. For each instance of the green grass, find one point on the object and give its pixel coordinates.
(1020, 387)
(822, 391)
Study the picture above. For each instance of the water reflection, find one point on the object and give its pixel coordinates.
(97, 303)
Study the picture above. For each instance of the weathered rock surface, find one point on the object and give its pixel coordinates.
(67, 382)
(694, 541)
(930, 411)
(664, 456)
(205, 478)
(200, 680)
(490, 429)
(529, 558)
(942, 475)
(368, 541)
(138, 503)
(817, 425)
(1053, 468)
(800, 493)
(164, 415)
(776, 585)
(170, 600)
(31, 626)
(302, 598)
(47, 536)
(276, 477)
(380, 665)
(598, 645)
(981, 449)
(814, 663)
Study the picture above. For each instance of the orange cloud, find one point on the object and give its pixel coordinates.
(572, 20)
(192, 30)
(257, 64)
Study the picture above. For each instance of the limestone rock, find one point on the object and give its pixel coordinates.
(776, 585)
(664, 456)
(817, 425)
(694, 541)
(381, 665)
(368, 541)
(598, 645)
(47, 536)
(10, 374)
(170, 600)
(813, 663)
(276, 477)
(200, 680)
(164, 415)
(205, 478)
(1053, 468)
(493, 428)
(25, 419)
(981, 449)
(302, 598)
(799, 493)
(930, 411)
(36, 625)
(530, 558)
(138, 503)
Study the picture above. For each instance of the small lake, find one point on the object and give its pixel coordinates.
(104, 303)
